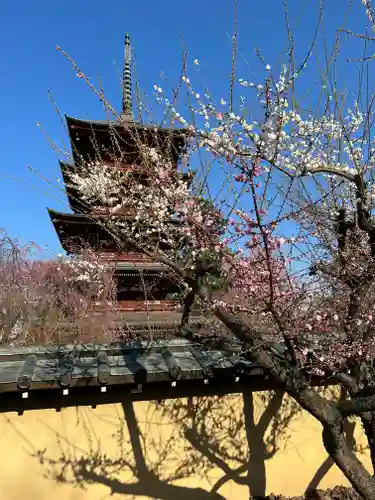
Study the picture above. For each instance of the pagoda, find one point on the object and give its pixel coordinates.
(144, 285)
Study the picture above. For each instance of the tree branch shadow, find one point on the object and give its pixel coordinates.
(221, 440)
(214, 440)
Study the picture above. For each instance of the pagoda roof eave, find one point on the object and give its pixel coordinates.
(89, 219)
(71, 225)
(88, 128)
(73, 218)
(63, 221)
(119, 124)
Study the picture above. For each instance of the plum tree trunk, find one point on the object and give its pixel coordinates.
(368, 424)
(336, 445)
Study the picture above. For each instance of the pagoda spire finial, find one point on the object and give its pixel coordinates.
(127, 109)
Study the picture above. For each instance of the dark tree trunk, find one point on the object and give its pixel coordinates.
(368, 424)
(335, 443)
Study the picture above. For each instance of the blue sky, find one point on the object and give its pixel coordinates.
(92, 32)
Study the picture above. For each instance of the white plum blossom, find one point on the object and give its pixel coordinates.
(161, 204)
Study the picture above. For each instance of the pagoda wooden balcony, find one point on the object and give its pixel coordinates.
(123, 257)
(141, 306)
(133, 318)
(160, 318)
(75, 229)
(136, 266)
(157, 305)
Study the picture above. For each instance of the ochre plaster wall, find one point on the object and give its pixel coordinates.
(193, 449)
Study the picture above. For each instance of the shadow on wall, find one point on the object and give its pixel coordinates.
(176, 450)
(214, 439)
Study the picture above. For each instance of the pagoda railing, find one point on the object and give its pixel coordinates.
(123, 256)
(141, 305)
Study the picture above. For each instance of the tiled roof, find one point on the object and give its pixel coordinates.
(90, 218)
(37, 376)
